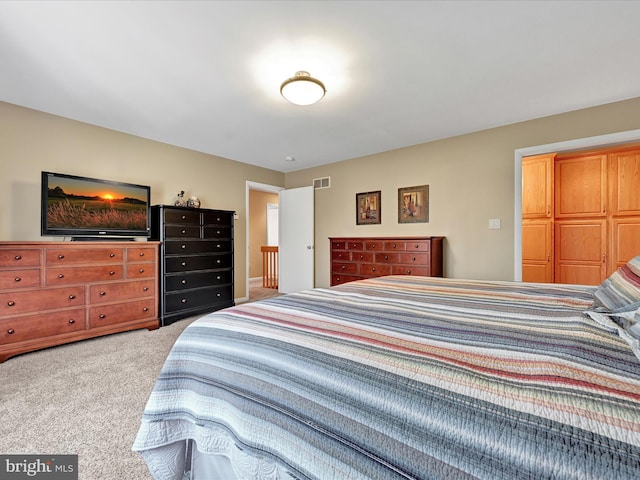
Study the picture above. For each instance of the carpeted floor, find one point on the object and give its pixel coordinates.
(257, 292)
(84, 398)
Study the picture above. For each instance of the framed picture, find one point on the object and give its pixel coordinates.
(368, 208)
(413, 204)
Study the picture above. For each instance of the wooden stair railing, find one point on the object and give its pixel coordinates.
(269, 266)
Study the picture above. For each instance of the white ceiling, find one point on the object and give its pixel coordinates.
(205, 75)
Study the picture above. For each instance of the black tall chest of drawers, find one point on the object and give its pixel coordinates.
(196, 260)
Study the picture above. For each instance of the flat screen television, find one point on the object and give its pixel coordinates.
(83, 207)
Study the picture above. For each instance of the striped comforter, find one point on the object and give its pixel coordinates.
(402, 377)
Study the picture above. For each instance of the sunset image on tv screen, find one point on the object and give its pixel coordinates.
(85, 204)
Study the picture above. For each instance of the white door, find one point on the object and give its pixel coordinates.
(296, 252)
(272, 224)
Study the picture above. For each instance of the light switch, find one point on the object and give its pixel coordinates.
(494, 223)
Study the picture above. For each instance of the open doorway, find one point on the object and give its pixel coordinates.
(262, 231)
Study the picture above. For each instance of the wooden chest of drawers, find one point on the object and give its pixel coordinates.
(57, 292)
(356, 258)
(196, 266)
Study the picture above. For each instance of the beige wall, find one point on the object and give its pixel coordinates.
(258, 228)
(470, 178)
(32, 141)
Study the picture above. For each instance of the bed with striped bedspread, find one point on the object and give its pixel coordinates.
(401, 377)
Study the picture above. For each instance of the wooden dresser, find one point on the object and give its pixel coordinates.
(59, 292)
(355, 258)
(196, 266)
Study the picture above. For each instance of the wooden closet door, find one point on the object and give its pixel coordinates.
(580, 192)
(624, 188)
(537, 218)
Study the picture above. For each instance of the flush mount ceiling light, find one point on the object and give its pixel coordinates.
(302, 89)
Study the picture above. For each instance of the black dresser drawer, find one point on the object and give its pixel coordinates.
(186, 247)
(197, 262)
(217, 232)
(202, 297)
(217, 218)
(182, 216)
(181, 231)
(196, 280)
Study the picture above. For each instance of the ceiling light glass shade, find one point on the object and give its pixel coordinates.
(302, 89)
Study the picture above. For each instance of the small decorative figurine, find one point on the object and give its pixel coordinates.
(180, 201)
(193, 202)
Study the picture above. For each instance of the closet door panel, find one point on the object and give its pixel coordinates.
(625, 183)
(626, 241)
(537, 187)
(581, 187)
(537, 251)
(580, 252)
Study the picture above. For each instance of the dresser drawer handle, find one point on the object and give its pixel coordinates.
(17, 279)
(11, 303)
(183, 231)
(386, 257)
(373, 245)
(361, 257)
(408, 272)
(103, 293)
(72, 297)
(60, 257)
(11, 331)
(145, 289)
(184, 264)
(218, 261)
(17, 257)
(218, 219)
(141, 270)
(145, 309)
(102, 316)
(218, 232)
(414, 259)
(219, 277)
(141, 254)
(373, 269)
(184, 217)
(343, 267)
(184, 300)
(112, 272)
(183, 281)
(72, 321)
(417, 246)
(111, 255)
(218, 246)
(218, 294)
(183, 246)
(393, 246)
(60, 276)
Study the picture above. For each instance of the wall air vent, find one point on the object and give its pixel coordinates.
(324, 182)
